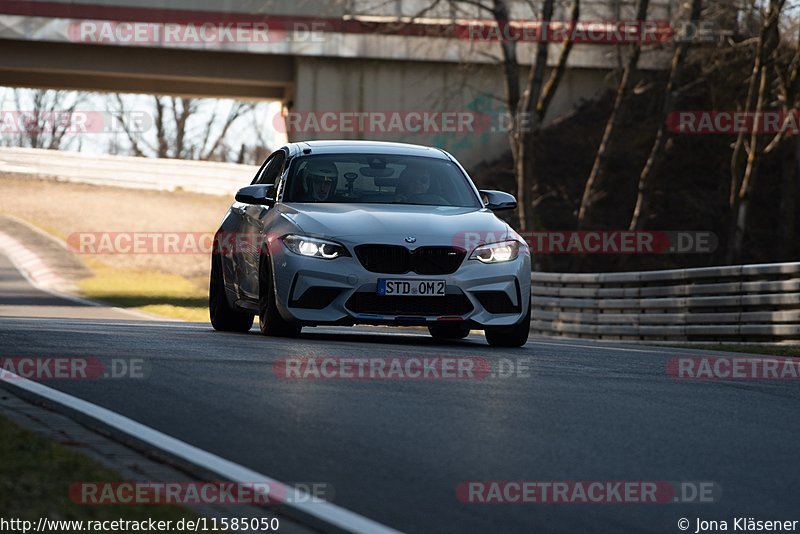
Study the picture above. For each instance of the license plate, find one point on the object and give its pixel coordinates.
(416, 288)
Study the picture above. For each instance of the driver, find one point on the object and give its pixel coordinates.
(322, 180)
(414, 181)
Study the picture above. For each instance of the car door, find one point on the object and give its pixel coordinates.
(251, 232)
(236, 240)
(230, 241)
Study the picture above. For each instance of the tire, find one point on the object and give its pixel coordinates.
(510, 336)
(449, 331)
(270, 321)
(223, 317)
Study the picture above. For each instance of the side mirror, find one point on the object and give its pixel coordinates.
(258, 195)
(498, 200)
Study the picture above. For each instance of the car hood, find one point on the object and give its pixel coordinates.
(392, 223)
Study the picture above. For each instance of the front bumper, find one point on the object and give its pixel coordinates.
(315, 292)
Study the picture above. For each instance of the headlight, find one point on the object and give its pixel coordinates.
(314, 248)
(497, 252)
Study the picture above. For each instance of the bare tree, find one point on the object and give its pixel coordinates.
(182, 128)
(46, 118)
(217, 148)
(527, 104)
(527, 107)
(644, 187)
(742, 181)
(591, 191)
(789, 95)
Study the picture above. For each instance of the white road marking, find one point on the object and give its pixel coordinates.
(38, 274)
(320, 511)
(31, 266)
(90, 322)
(599, 347)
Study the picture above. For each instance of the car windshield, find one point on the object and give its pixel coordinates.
(378, 179)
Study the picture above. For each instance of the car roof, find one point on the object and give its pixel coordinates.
(364, 147)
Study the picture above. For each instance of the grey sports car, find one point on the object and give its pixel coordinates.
(355, 232)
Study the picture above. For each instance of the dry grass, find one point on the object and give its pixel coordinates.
(63, 209)
(168, 284)
(36, 473)
(146, 290)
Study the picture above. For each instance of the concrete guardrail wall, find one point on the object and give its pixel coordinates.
(747, 303)
(138, 173)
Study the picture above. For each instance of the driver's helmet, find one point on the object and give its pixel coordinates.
(412, 174)
(321, 180)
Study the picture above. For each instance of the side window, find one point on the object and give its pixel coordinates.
(272, 169)
(260, 173)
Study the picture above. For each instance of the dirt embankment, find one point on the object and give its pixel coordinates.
(690, 189)
(65, 209)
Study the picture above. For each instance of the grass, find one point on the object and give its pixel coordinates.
(772, 350)
(36, 473)
(174, 285)
(149, 291)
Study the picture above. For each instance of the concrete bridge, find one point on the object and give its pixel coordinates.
(339, 57)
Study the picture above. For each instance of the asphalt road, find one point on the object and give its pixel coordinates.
(395, 451)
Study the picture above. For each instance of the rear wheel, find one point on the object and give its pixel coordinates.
(510, 336)
(449, 331)
(270, 321)
(223, 317)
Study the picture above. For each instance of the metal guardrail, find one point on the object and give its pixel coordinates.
(745, 303)
(119, 171)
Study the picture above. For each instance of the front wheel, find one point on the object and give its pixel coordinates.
(270, 321)
(223, 317)
(510, 336)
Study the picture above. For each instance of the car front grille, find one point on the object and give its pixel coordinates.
(393, 259)
(369, 303)
(388, 259)
(437, 260)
